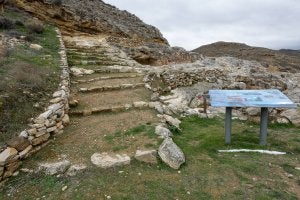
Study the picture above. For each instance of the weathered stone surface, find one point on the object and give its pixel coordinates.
(19, 143)
(293, 115)
(8, 154)
(104, 160)
(54, 168)
(51, 129)
(172, 121)
(74, 169)
(238, 85)
(162, 131)
(80, 71)
(66, 119)
(25, 152)
(140, 104)
(148, 156)
(45, 115)
(12, 167)
(24, 134)
(41, 139)
(253, 111)
(171, 154)
(197, 101)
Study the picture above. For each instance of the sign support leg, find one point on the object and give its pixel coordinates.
(228, 125)
(263, 126)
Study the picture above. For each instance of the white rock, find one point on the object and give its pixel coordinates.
(54, 168)
(172, 121)
(74, 169)
(148, 156)
(35, 47)
(162, 131)
(293, 115)
(171, 154)
(104, 160)
(140, 104)
(253, 111)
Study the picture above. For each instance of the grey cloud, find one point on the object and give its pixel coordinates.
(192, 23)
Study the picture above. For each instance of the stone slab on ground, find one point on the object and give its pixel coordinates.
(148, 156)
(54, 168)
(105, 160)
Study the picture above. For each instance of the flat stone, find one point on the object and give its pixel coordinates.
(41, 139)
(51, 129)
(19, 143)
(55, 107)
(171, 154)
(35, 47)
(59, 93)
(45, 115)
(140, 104)
(74, 169)
(162, 131)
(172, 121)
(54, 168)
(104, 160)
(148, 156)
(6, 155)
(25, 152)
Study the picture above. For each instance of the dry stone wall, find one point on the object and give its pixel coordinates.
(43, 127)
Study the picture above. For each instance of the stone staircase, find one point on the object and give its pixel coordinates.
(111, 99)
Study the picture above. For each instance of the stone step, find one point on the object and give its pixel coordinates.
(110, 109)
(90, 50)
(99, 78)
(94, 62)
(111, 88)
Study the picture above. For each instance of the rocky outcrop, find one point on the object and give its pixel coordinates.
(142, 42)
(282, 60)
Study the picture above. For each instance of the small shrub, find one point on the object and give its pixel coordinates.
(6, 23)
(35, 26)
(19, 23)
(29, 38)
(14, 34)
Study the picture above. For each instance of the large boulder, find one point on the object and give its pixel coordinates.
(104, 160)
(171, 154)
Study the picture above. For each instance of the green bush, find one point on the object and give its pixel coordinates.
(6, 23)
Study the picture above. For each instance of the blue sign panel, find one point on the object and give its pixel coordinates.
(250, 98)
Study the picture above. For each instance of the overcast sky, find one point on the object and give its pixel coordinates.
(191, 23)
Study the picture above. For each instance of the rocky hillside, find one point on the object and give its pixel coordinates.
(142, 42)
(283, 60)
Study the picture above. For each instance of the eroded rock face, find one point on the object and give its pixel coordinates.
(162, 131)
(171, 154)
(142, 42)
(104, 160)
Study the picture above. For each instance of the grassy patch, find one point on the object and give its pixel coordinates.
(27, 76)
(206, 174)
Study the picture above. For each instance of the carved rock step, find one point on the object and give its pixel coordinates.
(106, 78)
(115, 69)
(110, 88)
(110, 109)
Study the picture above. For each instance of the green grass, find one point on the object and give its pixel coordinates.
(206, 174)
(27, 76)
